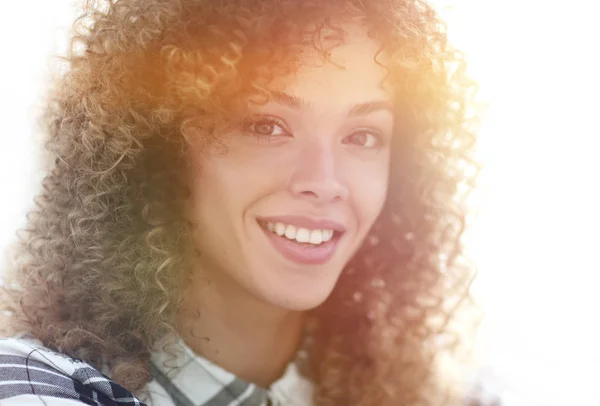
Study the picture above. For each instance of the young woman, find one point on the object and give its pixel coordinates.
(250, 203)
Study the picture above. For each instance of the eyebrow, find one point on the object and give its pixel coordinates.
(297, 103)
(289, 100)
(362, 109)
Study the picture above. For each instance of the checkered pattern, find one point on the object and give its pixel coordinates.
(29, 371)
(191, 380)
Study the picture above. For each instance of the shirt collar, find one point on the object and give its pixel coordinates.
(192, 380)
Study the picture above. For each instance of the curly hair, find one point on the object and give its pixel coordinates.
(106, 244)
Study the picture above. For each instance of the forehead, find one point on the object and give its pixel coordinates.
(351, 71)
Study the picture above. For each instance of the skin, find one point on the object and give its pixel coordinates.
(243, 306)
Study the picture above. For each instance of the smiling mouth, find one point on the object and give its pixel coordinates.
(302, 245)
(300, 235)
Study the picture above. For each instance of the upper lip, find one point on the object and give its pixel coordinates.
(311, 223)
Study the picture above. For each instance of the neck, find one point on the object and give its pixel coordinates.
(246, 336)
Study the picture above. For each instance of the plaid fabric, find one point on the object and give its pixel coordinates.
(29, 371)
(192, 380)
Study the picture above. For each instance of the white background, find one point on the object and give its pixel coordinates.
(536, 240)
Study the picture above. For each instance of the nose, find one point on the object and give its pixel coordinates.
(316, 176)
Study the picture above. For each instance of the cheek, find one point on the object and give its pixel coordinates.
(215, 209)
(370, 187)
(225, 186)
(213, 187)
(218, 176)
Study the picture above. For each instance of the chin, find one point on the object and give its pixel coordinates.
(302, 294)
(301, 304)
(285, 282)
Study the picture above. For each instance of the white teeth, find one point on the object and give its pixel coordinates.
(290, 232)
(302, 235)
(316, 237)
(299, 234)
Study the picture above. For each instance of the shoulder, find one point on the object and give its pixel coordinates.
(27, 351)
(31, 374)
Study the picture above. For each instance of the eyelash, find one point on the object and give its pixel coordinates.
(275, 121)
(267, 120)
(377, 138)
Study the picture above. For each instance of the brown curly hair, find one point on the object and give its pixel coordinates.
(99, 263)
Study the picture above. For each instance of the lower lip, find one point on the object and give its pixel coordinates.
(308, 255)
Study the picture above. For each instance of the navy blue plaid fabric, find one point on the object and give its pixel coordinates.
(29, 375)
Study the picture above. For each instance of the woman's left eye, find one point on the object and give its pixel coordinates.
(365, 139)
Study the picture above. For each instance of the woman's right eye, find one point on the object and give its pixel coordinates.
(269, 127)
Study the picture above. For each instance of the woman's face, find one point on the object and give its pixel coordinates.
(284, 208)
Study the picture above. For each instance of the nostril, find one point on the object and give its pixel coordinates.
(324, 194)
(309, 193)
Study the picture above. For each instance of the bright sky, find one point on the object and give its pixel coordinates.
(536, 241)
